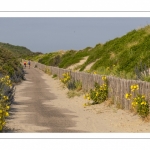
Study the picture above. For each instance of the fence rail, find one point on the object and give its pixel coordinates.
(117, 88)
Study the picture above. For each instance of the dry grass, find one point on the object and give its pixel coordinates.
(73, 93)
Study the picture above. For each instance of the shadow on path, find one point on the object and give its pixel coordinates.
(29, 100)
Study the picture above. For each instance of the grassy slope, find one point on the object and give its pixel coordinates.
(72, 57)
(117, 56)
(126, 52)
(10, 59)
(19, 51)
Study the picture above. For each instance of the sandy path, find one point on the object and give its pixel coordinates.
(82, 61)
(42, 105)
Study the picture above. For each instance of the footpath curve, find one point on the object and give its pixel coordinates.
(41, 105)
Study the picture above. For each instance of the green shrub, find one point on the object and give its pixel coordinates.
(99, 94)
(139, 103)
(54, 76)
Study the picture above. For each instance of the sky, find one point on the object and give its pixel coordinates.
(49, 34)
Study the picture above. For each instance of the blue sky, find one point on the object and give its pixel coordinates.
(49, 34)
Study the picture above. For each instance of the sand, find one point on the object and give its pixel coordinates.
(74, 117)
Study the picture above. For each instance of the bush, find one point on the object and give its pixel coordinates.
(5, 99)
(139, 104)
(99, 94)
(54, 76)
(66, 77)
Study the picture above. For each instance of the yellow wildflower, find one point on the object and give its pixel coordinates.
(7, 77)
(133, 104)
(88, 97)
(7, 107)
(6, 114)
(5, 97)
(104, 78)
(128, 96)
(134, 87)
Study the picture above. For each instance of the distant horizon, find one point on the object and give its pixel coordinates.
(47, 34)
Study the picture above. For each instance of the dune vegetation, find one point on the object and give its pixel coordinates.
(125, 57)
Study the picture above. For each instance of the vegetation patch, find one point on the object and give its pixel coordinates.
(99, 94)
(6, 93)
(139, 103)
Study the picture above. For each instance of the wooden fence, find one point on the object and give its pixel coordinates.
(117, 88)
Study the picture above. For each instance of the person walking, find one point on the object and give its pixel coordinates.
(25, 64)
(29, 63)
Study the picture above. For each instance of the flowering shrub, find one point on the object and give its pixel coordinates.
(99, 93)
(5, 82)
(66, 77)
(139, 102)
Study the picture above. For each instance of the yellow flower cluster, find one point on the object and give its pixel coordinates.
(139, 103)
(6, 80)
(139, 100)
(66, 78)
(103, 87)
(5, 98)
(143, 103)
(104, 78)
(87, 96)
(99, 93)
(134, 87)
(134, 104)
(128, 96)
(3, 114)
(4, 103)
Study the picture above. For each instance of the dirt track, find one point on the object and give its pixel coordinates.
(41, 105)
